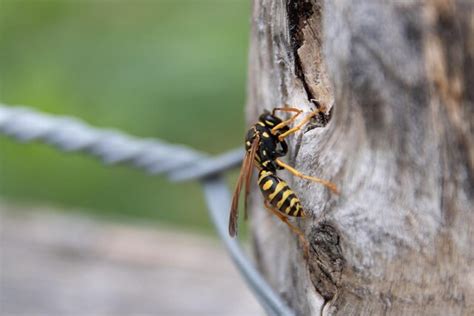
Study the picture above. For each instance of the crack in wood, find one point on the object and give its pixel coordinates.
(299, 11)
(301, 15)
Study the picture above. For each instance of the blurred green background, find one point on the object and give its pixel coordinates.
(174, 70)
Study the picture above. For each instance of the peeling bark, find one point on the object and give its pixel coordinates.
(395, 83)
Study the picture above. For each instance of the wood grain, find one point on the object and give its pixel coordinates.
(395, 80)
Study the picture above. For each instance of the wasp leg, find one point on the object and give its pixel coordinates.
(297, 127)
(286, 109)
(331, 186)
(284, 219)
(289, 121)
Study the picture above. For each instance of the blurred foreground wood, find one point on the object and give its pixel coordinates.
(396, 82)
(58, 264)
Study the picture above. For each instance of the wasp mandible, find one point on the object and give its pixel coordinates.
(265, 143)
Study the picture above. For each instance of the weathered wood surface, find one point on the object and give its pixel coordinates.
(397, 82)
(54, 264)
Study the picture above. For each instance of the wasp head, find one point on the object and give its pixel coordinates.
(270, 120)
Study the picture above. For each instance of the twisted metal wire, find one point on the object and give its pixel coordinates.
(109, 145)
(177, 162)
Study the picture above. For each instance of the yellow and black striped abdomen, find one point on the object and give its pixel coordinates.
(279, 194)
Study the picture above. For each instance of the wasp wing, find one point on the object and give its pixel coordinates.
(248, 175)
(245, 174)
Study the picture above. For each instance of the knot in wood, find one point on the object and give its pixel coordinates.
(325, 259)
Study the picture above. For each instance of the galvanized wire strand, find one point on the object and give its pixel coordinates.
(178, 162)
(210, 166)
(110, 146)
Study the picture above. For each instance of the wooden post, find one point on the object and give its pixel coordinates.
(396, 80)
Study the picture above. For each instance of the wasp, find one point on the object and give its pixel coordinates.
(265, 143)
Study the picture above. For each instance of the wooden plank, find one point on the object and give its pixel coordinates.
(58, 264)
